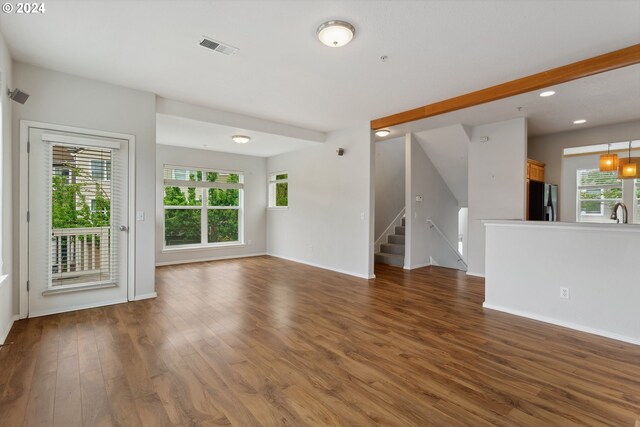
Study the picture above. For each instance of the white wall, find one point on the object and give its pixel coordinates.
(439, 205)
(255, 201)
(389, 181)
(548, 149)
(64, 99)
(329, 221)
(527, 263)
(497, 175)
(8, 295)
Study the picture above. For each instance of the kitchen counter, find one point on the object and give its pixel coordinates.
(528, 262)
(573, 225)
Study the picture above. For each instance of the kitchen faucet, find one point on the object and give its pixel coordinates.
(614, 213)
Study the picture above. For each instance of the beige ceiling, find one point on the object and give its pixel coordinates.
(607, 98)
(435, 49)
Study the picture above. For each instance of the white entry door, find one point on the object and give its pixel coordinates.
(78, 221)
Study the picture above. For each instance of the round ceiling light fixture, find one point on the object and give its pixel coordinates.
(547, 93)
(335, 33)
(241, 139)
(383, 132)
(579, 121)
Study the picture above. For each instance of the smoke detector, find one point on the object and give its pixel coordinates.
(218, 46)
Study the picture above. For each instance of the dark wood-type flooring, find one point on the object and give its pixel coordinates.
(263, 341)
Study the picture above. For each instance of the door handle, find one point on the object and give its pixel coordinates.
(124, 228)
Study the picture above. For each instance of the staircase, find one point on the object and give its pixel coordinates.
(392, 252)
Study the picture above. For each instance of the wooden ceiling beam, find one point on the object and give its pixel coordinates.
(577, 70)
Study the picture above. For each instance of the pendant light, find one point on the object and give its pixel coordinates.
(629, 169)
(608, 162)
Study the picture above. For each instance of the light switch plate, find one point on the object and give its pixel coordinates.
(140, 216)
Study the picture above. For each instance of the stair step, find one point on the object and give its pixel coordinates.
(400, 230)
(390, 259)
(392, 248)
(396, 238)
(403, 223)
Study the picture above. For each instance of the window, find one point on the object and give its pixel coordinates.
(636, 198)
(279, 190)
(597, 193)
(202, 207)
(101, 169)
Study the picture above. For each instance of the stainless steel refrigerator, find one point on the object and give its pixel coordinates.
(543, 201)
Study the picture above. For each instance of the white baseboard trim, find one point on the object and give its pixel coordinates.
(78, 307)
(471, 273)
(413, 267)
(145, 296)
(564, 324)
(324, 267)
(5, 333)
(190, 261)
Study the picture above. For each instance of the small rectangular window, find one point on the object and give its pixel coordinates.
(636, 194)
(597, 193)
(279, 190)
(101, 169)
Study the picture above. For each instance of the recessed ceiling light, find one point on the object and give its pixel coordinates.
(335, 33)
(579, 121)
(241, 139)
(383, 132)
(547, 93)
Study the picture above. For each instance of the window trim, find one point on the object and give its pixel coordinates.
(204, 207)
(271, 186)
(601, 187)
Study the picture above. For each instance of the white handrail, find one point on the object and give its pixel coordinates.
(384, 233)
(455, 251)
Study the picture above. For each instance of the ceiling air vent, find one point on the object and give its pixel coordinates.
(217, 46)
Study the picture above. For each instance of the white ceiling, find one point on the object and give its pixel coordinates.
(607, 98)
(181, 132)
(448, 149)
(436, 50)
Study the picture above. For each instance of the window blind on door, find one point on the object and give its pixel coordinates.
(82, 207)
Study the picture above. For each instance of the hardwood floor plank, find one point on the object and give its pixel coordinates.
(95, 403)
(68, 396)
(121, 402)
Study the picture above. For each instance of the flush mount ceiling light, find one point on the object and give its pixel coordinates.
(383, 132)
(335, 33)
(547, 93)
(241, 139)
(608, 162)
(579, 121)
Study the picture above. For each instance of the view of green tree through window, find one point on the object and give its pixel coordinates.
(598, 192)
(278, 190)
(201, 207)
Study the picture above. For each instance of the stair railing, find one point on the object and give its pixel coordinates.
(433, 226)
(379, 240)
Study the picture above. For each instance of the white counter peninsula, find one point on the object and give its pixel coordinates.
(581, 276)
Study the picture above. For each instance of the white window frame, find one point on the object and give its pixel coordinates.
(602, 187)
(636, 201)
(204, 207)
(272, 189)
